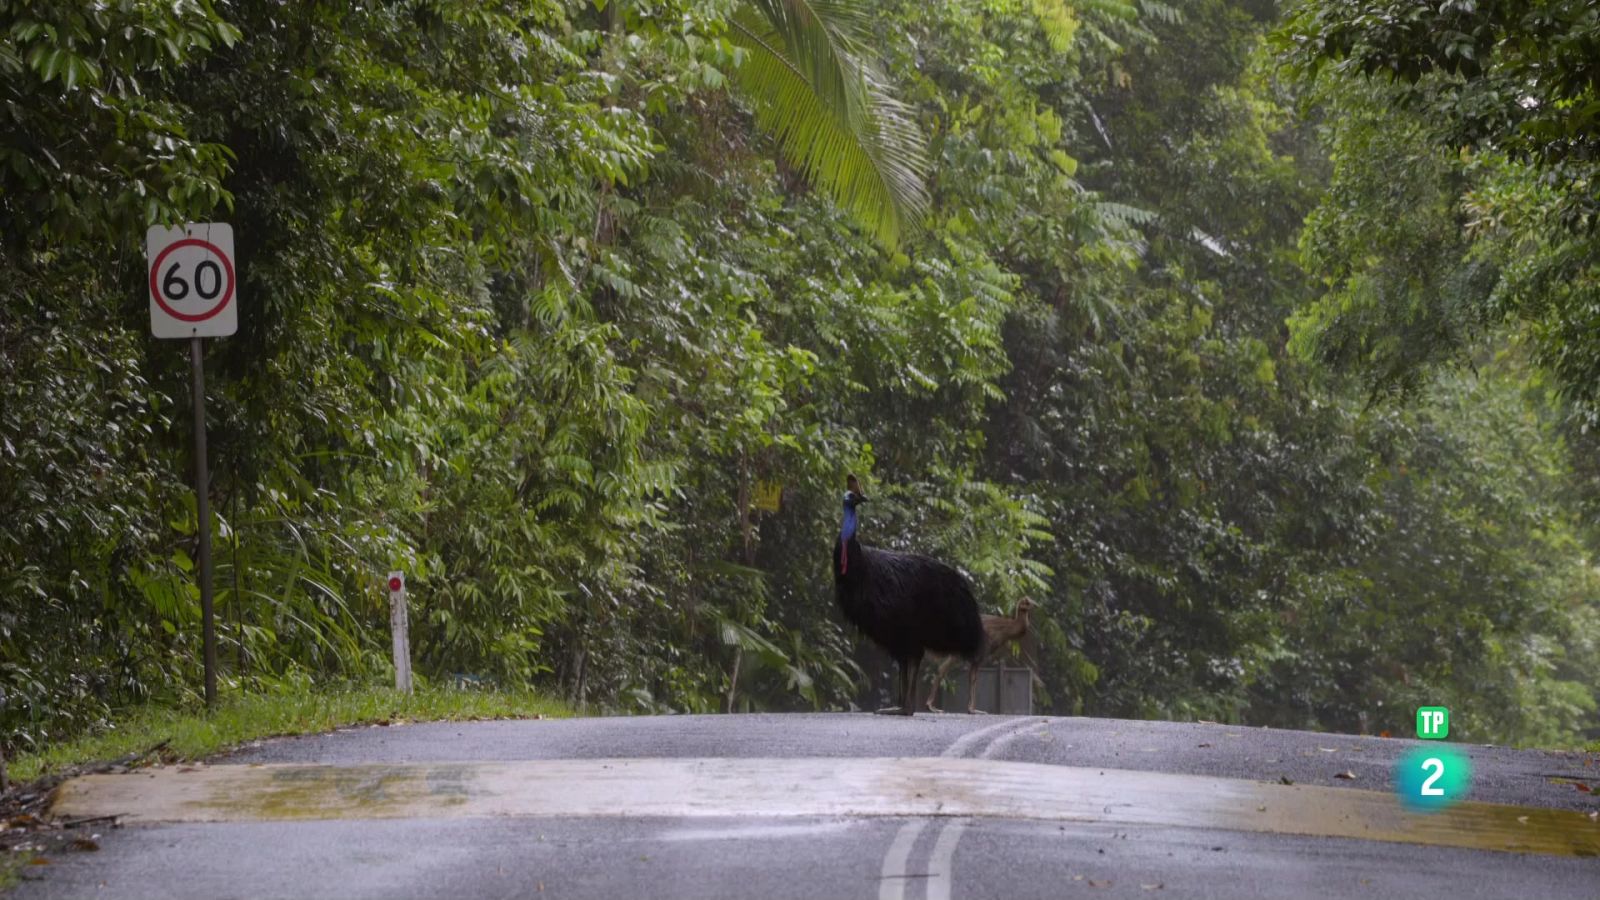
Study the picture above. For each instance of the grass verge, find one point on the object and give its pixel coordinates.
(196, 733)
(11, 865)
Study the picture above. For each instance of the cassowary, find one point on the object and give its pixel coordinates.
(908, 604)
(998, 631)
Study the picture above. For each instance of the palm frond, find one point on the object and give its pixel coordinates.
(1122, 215)
(1161, 12)
(832, 114)
(1110, 9)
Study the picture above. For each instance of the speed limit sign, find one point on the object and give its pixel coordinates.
(193, 282)
(194, 294)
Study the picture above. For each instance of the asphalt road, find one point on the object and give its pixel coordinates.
(828, 806)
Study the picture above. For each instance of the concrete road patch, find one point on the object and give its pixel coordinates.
(810, 787)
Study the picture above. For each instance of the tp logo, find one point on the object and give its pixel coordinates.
(1433, 723)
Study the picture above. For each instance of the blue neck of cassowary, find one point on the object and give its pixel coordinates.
(848, 529)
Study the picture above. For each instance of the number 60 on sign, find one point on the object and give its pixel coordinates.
(193, 289)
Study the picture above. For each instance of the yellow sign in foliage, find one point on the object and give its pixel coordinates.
(768, 496)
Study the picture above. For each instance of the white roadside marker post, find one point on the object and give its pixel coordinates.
(400, 630)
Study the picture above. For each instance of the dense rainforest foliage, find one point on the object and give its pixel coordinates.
(1258, 346)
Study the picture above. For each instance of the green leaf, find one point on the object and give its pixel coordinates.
(833, 114)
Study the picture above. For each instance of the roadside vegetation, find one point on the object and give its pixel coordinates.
(1243, 342)
(160, 732)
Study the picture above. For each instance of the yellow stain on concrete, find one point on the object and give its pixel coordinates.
(810, 787)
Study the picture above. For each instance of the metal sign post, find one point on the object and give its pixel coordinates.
(193, 295)
(202, 505)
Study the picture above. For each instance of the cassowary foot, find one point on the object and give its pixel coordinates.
(895, 711)
(976, 712)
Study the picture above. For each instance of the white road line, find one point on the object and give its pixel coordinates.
(941, 863)
(892, 879)
(960, 745)
(1004, 740)
(941, 872)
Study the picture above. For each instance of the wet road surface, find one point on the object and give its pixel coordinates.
(828, 806)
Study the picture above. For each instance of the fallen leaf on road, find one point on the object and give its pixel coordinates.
(1261, 809)
(1153, 887)
(1284, 779)
(1583, 787)
(38, 861)
(1202, 745)
(85, 844)
(1100, 884)
(1383, 734)
(1329, 749)
(1347, 775)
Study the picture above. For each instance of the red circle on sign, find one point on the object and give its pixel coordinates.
(394, 584)
(155, 287)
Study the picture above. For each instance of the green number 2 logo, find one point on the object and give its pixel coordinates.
(1428, 779)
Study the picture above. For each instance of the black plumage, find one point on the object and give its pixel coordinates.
(906, 603)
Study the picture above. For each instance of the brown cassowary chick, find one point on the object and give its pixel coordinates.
(998, 631)
(907, 604)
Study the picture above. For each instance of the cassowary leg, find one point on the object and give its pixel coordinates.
(938, 680)
(907, 689)
(913, 687)
(972, 692)
(899, 690)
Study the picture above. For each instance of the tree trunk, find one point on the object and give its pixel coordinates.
(733, 683)
(577, 687)
(747, 554)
